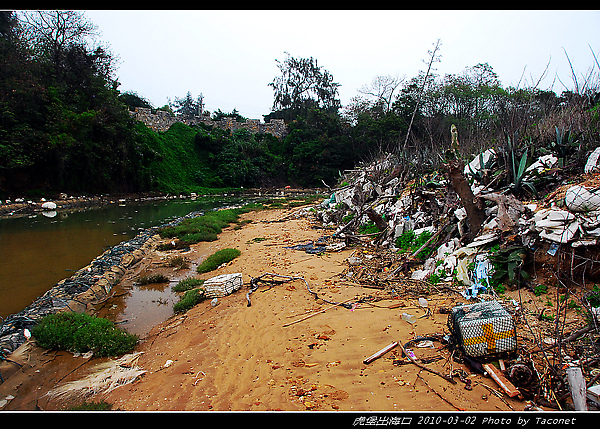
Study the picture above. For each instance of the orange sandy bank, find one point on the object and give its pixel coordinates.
(239, 357)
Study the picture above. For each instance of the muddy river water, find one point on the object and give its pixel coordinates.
(38, 251)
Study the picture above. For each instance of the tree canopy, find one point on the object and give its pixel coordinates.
(65, 126)
(304, 84)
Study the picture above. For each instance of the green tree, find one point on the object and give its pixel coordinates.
(303, 85)
(133, 100)
(187, 106)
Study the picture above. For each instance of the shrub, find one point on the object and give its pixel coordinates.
(188, 300)
(217, 259)
(409, 241)
(81, 333)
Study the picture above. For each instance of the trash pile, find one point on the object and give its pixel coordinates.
(459, 231)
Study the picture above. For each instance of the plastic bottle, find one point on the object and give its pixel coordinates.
(410, 318)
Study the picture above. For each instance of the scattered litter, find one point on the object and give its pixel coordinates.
(380, 353)
(410, 318)
(105, 377)
(481, 277)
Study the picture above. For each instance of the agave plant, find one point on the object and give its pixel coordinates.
(566, 144)
(518, 168)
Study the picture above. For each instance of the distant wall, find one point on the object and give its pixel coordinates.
(161, 121)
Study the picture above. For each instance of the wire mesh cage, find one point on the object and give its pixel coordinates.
(483, 329)
(222, 285)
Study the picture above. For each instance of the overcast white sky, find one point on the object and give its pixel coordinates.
(229, 55)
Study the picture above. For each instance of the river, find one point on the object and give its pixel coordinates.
(38, 251)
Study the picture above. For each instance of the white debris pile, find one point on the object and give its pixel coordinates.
(373, 205)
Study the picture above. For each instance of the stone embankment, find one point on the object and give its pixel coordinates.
(161, 121)
(89, 286)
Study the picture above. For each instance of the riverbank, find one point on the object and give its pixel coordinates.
(263, 357)
(22, 206)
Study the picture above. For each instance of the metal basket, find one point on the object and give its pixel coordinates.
(483, 329)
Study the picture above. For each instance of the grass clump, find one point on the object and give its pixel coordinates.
(368, 228)
(81, 333)
(92, 406)
(178, 262)
(217, 259)
(206, 227)
(151, 279)
(189, 299)
(187, 284)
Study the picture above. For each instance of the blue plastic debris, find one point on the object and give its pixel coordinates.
(481, 280)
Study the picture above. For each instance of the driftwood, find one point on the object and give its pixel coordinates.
(318, 312)
(473, 205)
(501, 380)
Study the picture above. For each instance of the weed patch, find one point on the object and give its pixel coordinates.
(217, 259)
(409, 241)
(187, 284)
(178, 262)
(189, 299)
(151, 279)
(81, 333)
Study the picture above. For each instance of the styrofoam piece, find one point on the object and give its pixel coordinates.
(475, 165)
(592, 163)
(593, 393)
(579, 199)
(543, 163)
(483, 239)
(222, 285)
(561, 235)
(49, 205)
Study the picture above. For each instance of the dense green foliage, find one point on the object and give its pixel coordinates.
(65, 127)
(81, 333)
(187, 284)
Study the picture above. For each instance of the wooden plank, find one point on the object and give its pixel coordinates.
(501, 380)
(577, 387)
